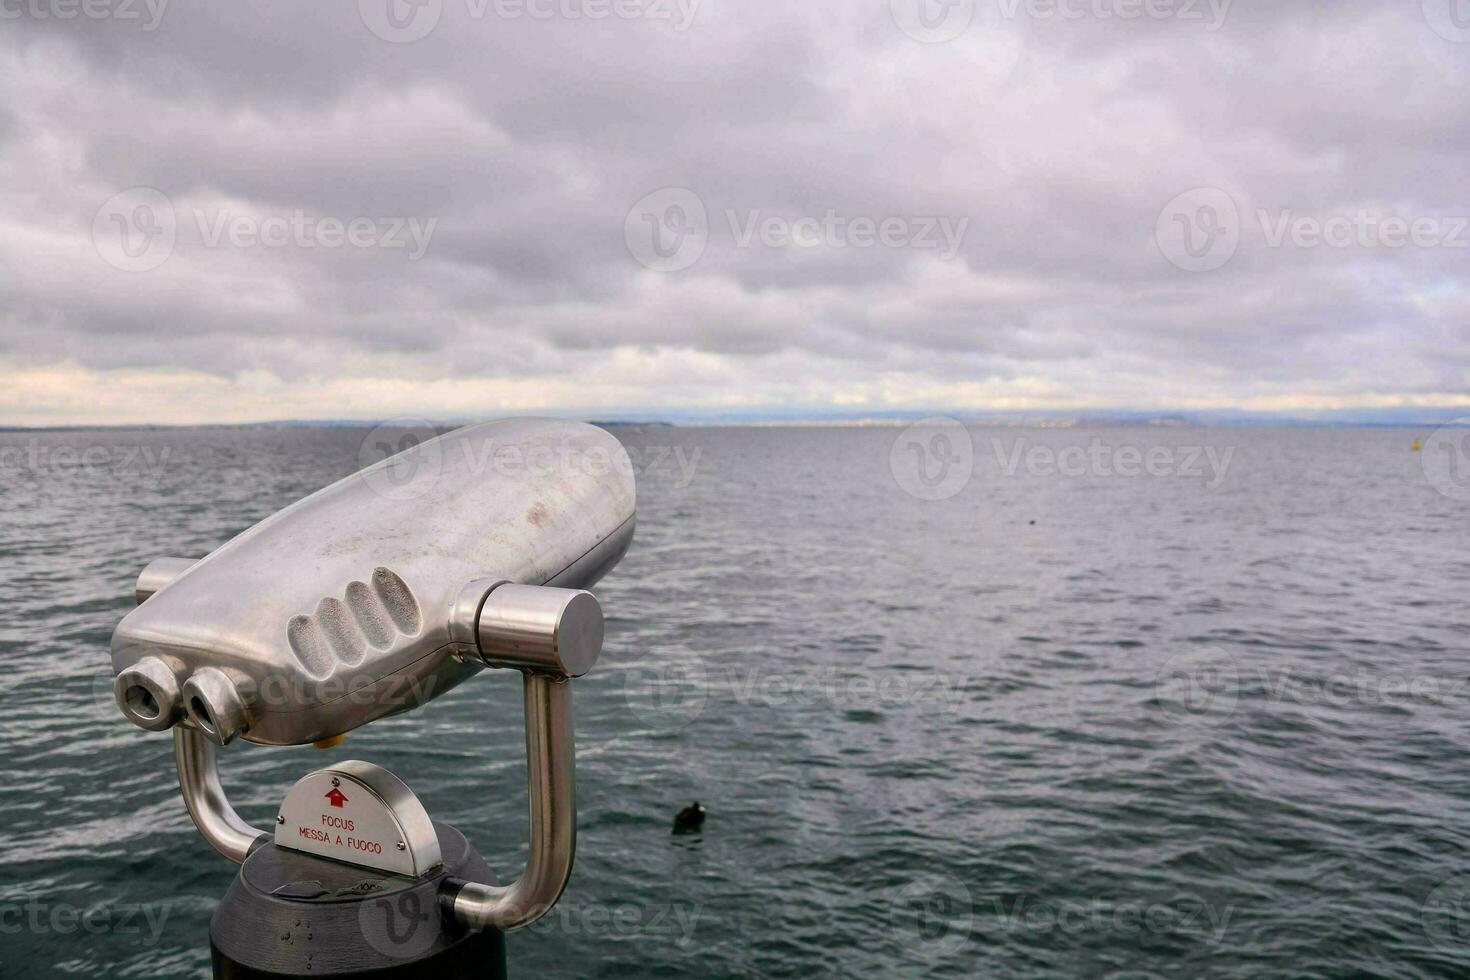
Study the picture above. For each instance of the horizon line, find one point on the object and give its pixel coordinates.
(1037, 418)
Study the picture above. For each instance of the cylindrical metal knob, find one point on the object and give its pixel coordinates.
(540, 629)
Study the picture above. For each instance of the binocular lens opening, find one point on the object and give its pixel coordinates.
(142, 702)
(148, 694)
(202, 718)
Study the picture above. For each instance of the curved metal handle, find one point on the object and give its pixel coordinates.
(204, 797)
(551, 635)
(550, 767)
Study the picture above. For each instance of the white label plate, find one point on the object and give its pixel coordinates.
(360, 814)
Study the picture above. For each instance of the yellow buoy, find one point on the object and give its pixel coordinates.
(1417, 446)
(330, 743)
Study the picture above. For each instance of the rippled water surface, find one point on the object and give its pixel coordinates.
(1208, 722)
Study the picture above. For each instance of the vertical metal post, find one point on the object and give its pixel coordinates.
(551, 778)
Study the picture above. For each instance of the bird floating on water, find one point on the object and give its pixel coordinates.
(689, 819)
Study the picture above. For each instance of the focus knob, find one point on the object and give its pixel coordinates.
(541, 629)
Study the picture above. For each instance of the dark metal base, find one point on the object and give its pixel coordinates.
(291, 915)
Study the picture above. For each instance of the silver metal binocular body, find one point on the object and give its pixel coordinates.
(374, 595)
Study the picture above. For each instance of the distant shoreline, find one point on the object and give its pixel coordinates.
(1097, 421)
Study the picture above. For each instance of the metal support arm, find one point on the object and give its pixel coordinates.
(204, 796)
(549, 765)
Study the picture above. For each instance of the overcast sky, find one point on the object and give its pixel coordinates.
(224, 211)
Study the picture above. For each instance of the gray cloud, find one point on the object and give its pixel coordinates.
(526, 142)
